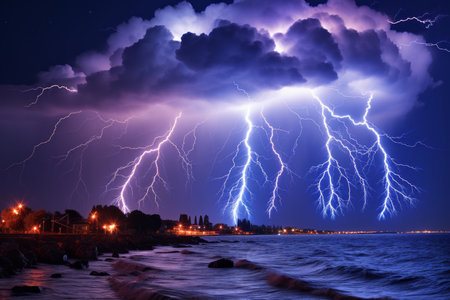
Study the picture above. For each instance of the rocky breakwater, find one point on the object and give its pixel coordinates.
(24, 251)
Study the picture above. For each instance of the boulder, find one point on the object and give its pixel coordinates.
(56, 275)
(185, 251)
(50, 253)
(221, 263)
(85, 251)
(95, 273)
(17, 258)
(115, 254)
(25, 289)
(79, 264)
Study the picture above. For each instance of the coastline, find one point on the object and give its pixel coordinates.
(19, 251)
(286, 267)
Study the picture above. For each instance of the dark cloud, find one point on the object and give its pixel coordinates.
(238, 53)
(260, 45)
(316, 48)
(199, 66)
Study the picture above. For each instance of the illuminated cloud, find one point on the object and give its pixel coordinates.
(337, 54)
(183, 55)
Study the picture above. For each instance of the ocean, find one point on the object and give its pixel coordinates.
(390, 266)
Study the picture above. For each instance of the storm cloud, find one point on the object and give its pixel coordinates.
(182, 56)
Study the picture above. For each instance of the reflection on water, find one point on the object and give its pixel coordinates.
(396, 266)
(73, 284)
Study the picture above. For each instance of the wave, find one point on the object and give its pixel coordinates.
(135, 287)
(361, 272)
(286, 282)
(407, 279)
(131, 290)
(123, 267)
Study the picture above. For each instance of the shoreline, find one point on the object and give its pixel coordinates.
(26, 251)
(193, 271)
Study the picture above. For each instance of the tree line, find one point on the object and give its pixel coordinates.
(20, 219)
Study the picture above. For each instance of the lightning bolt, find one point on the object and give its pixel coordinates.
(108, 123)
(435, 45)
(235, 190)
(236, 201)
(283, 166)
(48, 140)
(334, 185)
(154, 148)
(428, 22)
(46, 88)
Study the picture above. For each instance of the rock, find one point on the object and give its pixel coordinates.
(221, 263)
(115, 254)
(109, 259)
(95, 273)
(85, 251)
(56, 275)
(245, 264)
(24, 289)
(50, 253)
(17, 258)
(79, 264)
(187, 252)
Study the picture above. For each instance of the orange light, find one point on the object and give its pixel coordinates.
(93, 216)
(20, 206)
(220, 226)
(284, 230)
(236, 229)
(15, 211)
(110, 227)
(3, 221)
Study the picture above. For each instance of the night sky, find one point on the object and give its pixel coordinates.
(129, 72)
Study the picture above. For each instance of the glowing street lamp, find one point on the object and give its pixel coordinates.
(110, 227)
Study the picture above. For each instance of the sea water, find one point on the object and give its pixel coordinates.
(397, 266)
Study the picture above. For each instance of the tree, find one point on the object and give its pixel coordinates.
(74, 216)
(184, 219)
(109, 215)
(244, 225)
(200, 221)
(14, 217)
(141, 222)
(35, 219)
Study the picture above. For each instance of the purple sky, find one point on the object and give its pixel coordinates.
(155, 110)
